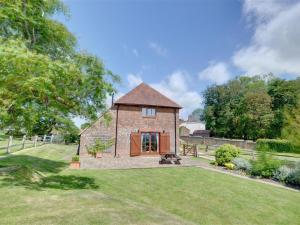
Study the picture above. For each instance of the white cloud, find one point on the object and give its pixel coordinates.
(158, 49)
(134, 80)
(216, 72)
(275, 45)
(135, 52)
(175, 87)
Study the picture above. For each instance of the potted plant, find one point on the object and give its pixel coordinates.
(75, 164)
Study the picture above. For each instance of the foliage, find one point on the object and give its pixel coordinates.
(100, 146)
(229, 166)
(196, 115)
(242, 164)
(252, 107)
(294, 177)
(44, 80)
(285, 95)
(265, 166)
(282, 173)
(75, 158)
(291, 129)
(225, 153)
(275, 145)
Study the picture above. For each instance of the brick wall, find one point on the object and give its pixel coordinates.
(130, 119)
(100, 130)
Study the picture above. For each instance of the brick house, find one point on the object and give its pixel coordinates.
(142, 122)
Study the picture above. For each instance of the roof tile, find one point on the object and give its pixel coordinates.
(145, 95)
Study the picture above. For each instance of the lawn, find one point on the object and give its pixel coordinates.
(42, 190)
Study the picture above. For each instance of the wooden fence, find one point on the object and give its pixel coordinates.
(9, 144)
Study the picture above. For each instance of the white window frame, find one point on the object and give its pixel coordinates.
(148, 112)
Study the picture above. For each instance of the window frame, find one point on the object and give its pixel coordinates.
(148, 112)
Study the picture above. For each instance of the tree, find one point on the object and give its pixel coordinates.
(291, 128)
(196, 115)
(285, 94)
(257, 116)
(229, 109)
(44, 81)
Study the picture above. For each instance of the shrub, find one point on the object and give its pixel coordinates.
(100, 146)
(75, 158)
(265, 165)
(294, 177)
(242, 164)
(276, 145)
(229, 166)
(225, 153)
(282, 173)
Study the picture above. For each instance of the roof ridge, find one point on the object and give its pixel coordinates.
(144, 94)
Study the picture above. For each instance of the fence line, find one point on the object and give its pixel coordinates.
(12, 144)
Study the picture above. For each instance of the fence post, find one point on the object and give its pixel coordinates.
(51, 139)
(10, 139)
(23, 141)
(35, 140)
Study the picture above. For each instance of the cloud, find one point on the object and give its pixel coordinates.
(135, 52)
(216, 72)
(176, 87)
(158, 49)
(134, 80)
(275, 44)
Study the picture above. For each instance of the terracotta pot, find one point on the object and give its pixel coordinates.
(75, 165)
(99, 155)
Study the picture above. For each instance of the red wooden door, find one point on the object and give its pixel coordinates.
(135, 144)
(164, 143)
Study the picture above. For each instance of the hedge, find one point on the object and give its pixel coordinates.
(276, 145)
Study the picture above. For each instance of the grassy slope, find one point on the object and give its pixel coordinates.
(138, 196)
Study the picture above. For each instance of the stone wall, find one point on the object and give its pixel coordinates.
(211, 141)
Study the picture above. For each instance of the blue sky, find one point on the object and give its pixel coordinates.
(181, 47)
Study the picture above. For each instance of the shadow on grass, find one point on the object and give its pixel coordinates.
(29, 172)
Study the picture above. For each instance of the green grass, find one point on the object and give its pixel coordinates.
(42, 190)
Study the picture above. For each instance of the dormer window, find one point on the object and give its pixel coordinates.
(148, 112)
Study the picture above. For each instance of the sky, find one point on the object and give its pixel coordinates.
(181, 47)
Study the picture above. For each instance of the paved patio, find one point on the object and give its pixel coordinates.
(88, 162)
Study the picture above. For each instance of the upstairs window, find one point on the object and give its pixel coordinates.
(148, 112)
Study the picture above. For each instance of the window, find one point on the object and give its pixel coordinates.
(148, 112)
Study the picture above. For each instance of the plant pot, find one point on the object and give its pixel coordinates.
(99, 155)
(75, 165)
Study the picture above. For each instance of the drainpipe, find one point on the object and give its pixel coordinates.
(78, 149)
(116, 139)
(175, 123)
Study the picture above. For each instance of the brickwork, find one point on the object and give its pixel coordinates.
(100, 129)
(130, 119)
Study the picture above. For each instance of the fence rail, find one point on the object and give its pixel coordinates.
(10, 144)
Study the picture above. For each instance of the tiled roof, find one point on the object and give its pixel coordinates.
(145, 95)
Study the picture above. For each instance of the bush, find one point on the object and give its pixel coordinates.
(229, 166)
(265, 165)
(282, 173)
(294, 177)
(75, 158)
(242, 164)
(225, 153)
(276, 145)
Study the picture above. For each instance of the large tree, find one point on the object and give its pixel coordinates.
(44, 80)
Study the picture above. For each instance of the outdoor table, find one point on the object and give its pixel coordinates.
(168, 158)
